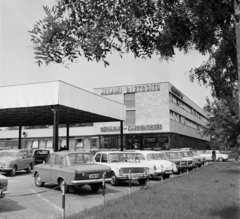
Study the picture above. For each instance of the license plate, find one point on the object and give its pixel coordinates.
(93, 176)
(134, 177)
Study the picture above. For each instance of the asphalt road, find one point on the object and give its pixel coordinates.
(28, 201)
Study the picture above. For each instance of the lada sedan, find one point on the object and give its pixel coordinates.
(122, 166)
(14, 160)
(74, 168)
(183, 164)
(219, 156)
(197, 162)
(156, 162)
(3, 186)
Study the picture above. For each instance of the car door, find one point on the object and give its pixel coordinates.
(55, 169)
(25, 160)
(45, 169)
(20, 160)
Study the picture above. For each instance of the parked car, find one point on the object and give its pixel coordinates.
(41, 155)
(156, 162)
(75, 168)
(3, 186)
(122, 166)
(14, 160)
(197, 162)
(183, 164)
(219, 156)
(196, 154)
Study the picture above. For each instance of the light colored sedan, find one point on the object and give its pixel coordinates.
(3, 186)
(156, 162)
(219, 156)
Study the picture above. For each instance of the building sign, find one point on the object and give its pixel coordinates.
(150, 140)
(131, 89)
(176, 92)
(132, 128)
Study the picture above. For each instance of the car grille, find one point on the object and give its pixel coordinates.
(133, 170)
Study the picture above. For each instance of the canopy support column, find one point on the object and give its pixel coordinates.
(68, 137)
(55, 127)
(121, 134)
(19, 137)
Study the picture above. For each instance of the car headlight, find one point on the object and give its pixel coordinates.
(7, 165)
(146, 170)
(120, 171)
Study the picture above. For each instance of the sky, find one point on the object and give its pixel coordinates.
(17, 63)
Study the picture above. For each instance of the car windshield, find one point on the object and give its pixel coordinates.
(78, 158)
(156, 156)
(195, 153)
(184, 153)
(9, 154)
(119, 157)
(173, 155)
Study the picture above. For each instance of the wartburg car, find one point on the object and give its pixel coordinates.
(3, 186)
(122, 166)
(74, 169)
(14, 160)
(156, 162)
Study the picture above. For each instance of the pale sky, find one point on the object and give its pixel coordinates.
(17, 63)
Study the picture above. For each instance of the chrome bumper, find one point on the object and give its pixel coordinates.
(87, 181)
(4, 192)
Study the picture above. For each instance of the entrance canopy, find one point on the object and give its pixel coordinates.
(32, 104)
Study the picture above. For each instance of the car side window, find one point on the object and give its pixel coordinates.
(62, 161)
(51, 159)
(98, 157)
(104, 158)
(139, 156)
(57, 160)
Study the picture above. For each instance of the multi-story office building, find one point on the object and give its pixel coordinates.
(158, 116)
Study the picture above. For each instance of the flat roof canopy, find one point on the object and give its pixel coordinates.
(31, 104)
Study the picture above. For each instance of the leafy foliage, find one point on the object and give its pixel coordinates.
(224, 125)
(95, 28)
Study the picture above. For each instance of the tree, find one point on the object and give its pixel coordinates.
(95, 28)
(224, 123)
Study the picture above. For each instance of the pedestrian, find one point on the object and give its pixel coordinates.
(214, 155)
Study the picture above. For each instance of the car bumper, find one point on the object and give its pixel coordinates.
(3, 193)
(5, 169)
(133, 176)
(89, 181)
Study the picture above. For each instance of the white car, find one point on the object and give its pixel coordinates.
(3, 186)
(122, 167)
(156, 162)
(219, 156)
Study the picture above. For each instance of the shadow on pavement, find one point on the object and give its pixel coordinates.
(231, 212)
(8, 205)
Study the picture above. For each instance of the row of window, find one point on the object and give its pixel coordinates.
(181, 119)
(186, 107)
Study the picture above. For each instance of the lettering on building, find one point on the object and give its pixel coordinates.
(132, 128)
(131, 89)
(176, 92)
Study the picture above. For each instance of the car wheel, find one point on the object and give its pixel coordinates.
(38, 181)
(143, 182)
(13, 171)
(29, 169)
(220, 159)
(62, 187)
(95, 187)
(114, 180)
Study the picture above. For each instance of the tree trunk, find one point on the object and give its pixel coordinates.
(237, 31)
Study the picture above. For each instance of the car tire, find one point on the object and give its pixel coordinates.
(95, 187)
(29, 169)
(13, 171)
(66, 187)
(143, 182)
(220, 159)
(114, 180)
(38, 181)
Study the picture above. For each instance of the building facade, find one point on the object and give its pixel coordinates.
(158, 117)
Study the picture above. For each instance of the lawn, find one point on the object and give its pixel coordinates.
(212, 191)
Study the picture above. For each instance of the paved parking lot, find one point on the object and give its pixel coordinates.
(28, 201)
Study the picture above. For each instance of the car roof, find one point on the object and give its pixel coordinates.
(147, 151)
(114, 152)
(64, 152)
(13, 150)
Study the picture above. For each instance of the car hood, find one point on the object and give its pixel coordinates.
(90, 167)
(164, 163)
(7, 159)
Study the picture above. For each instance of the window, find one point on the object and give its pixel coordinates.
(130, 117)
(129, 100)
(104, 158)
(51, 159)
(170, 97)
(98, 157)
(57, 160)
